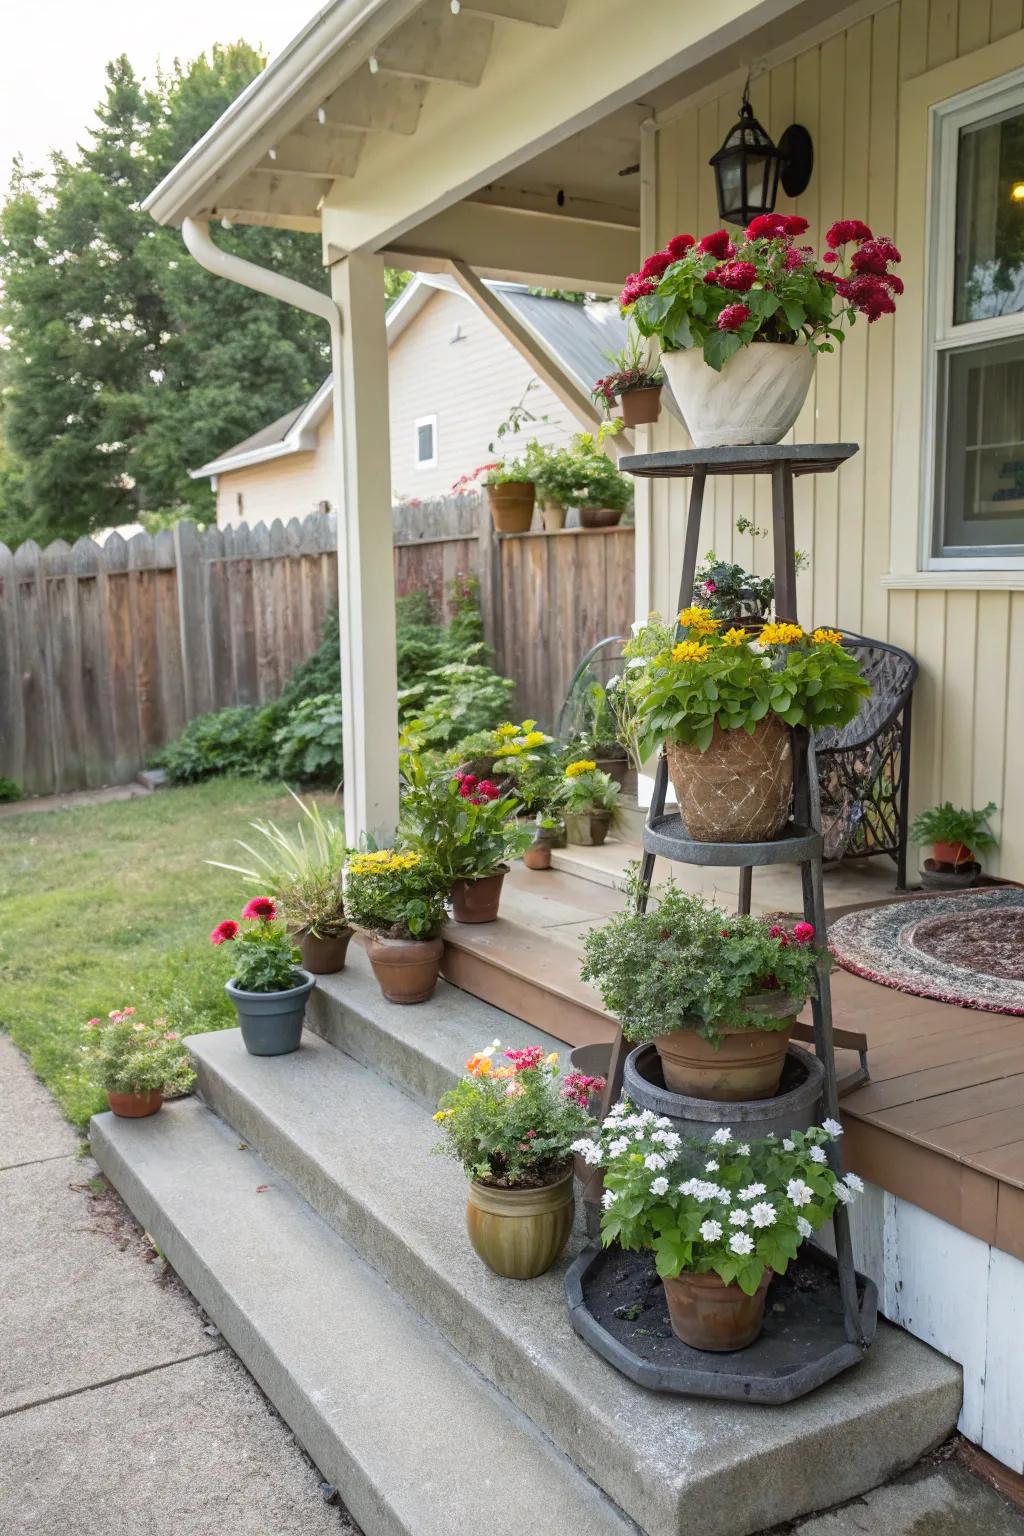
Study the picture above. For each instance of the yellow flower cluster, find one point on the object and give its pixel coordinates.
(690, 650)
(385, 861)
(514, 747)
(781, 634)
(699, 620)
(734, 637)
(507, 730)
(584, 765)
(827, 637)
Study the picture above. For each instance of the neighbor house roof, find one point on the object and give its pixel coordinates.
(577, 336)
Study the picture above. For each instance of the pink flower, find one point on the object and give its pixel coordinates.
(679, 245)
(260, 907)
(525, 1059)
(732, 317)
(488, 790)
(718, 245)
(776, 930)
(93, 1024)
(708, 587)
(803, 932)
(578, 1087)
(792, 259)
(844, 230)
(224, 932)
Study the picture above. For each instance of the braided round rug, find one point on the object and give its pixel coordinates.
(963, 949)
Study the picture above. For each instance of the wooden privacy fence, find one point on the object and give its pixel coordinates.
(107, 651)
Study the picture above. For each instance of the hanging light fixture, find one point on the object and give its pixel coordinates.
(749, 166)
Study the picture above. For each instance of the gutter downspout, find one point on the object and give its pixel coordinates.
(196, 234)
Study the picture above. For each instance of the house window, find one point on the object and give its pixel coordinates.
(977, 378)
(425, 431)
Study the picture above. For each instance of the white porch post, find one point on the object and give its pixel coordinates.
(366, 582)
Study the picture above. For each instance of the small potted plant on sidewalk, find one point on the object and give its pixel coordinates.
(137, 1063)
(511, 1122)
(722, 702)
(467, 828)
(718, 995)
(720, 1236)
(587, 799)
(956, 836)
(397, 897)
(269, 988)
(634, 381)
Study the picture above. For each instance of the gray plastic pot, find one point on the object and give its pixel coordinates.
(271, 1022)
(797, 1107)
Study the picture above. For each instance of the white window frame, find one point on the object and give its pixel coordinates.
(942, 334)
(424, 421)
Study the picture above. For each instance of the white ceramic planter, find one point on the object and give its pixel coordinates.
(755, 398)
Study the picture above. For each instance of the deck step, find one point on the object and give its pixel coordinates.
(359, 1151)
(419, 1443)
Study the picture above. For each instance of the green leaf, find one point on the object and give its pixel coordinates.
(719, 346)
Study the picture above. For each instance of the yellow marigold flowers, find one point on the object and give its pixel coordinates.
(534, 739)
(584, 765)
(507, 730)
(827, 637)
(690, 650)
(781, 634)
(385, 861)
(699, 620)
(734, 637)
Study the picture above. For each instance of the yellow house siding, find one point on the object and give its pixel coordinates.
(969, 704)
(287, 487)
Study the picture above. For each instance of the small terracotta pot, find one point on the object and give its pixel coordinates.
(600, 517)
(554, 517)
(323, 957)
(587, 829)
(952, 853)
(708, 1314)
(512, 505)
(134, 1106)
(519, 1233)
(739, 790)
(640, 407)
(538, 856)
(476, 901)
(746, 1065)
(406, 969)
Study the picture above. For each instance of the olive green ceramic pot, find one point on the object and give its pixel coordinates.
(519, 1233)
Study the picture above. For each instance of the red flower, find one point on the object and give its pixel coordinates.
(794, 224)
(792, 259)
(468, 779)
(488, 790)
(679, 245)
(831, 257)
(466, 789)
(776, 931)
(656, 264)
(725, 934)
(732, 317)
(224, 932)
(766, 226)
(718, 245)
(736, 275)
(844, 230)
(803, 932)
(526, 1059)
(892, 282)
(261, 907)
(636, 288)
(867, 294)
(874, 256)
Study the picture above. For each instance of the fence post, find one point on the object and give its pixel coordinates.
(490, 582)
(194, 620)
(12, 715)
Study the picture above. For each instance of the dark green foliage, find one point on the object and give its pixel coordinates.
(233, 740)
(9, 790)
(947, 823)
(307, 747)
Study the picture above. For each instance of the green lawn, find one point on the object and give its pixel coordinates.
(113, 904)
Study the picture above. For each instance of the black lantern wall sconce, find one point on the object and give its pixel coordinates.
(749, 166)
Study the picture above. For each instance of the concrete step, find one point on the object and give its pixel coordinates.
(418, 1441)
(359, 1151)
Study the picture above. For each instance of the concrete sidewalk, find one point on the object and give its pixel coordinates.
(121, 1409)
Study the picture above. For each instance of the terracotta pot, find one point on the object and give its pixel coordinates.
(512, 506)
(406, 969)
(640, 407)
(554, 517)
(476, 901)
(538, 856)
(746, 1065)
(587, 829)
(323, 957)
(952, 853)
(600, 517)
(134, 1106)
(708, 1314)
(755, 398)
(519, 1233)
(739, 790)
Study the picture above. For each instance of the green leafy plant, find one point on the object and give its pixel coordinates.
(948, 823)
(679, 690)
(266, 960)
(463, 824)
(234, 740)
(304, 873)
(395, 892)
(684, 964)
(130, 1056)
(595, 721)
(10, 790)
(585, 788)
(309, 743)
(455, 701)
(513, 1124)
(747, 1210)
(632, 368)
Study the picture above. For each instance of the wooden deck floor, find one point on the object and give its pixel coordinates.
(941, 1123)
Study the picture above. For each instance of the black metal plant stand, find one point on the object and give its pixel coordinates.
(760, 1373)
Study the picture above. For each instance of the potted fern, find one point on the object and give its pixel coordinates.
(955, 834)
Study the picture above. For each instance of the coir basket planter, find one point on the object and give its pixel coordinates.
(739, 790)
(747, 1064)
(271, 1022)
(519, 1233)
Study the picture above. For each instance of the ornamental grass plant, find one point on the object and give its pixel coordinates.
(301, 868)
(128, 1055)
(396, 893)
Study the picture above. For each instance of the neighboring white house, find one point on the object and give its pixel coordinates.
(453, 378)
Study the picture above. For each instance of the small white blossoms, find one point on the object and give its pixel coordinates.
(608, 1199)
(787, 1144)
(668, 1139)
(752, 1191)
(654, 1161)
(843, 1195)
(741, 1243)
(762, 1214)
(803, 1226)
(711, 1231)
(659, 1186)
(743, 1150)
(588, 1150)
(722, 1136)
(818, 1155)
(711, 1166)
(799, 1192)
(739, 1218)
(855, 1183)
(618, 1145)
(832, 1126)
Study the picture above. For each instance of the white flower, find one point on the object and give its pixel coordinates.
(803, 1226)
(654, 1161)
(687, 1186)
(723, 1197)
(743, 1150)
(618, 1145)
(663, 1122)
(639, 1135)
(762, 1214)
(637, 626)
(752, 1191)
(770, 1136)
(739, 1218)
(855, 1183)
(659, 1186)
(610, 684)
(741, 1243)
(588, 1150)
(722, 1136)
(646, 1117)
(799, 1192)
(832, 1126)
(818, 1155)
(711, 1231)
(711, 1166)
(787, 1145)
(495, 1044)
(609, 1198)
(843, 1195)
(667, 1139)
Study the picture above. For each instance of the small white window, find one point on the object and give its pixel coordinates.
(425, 430)
(976, 375)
